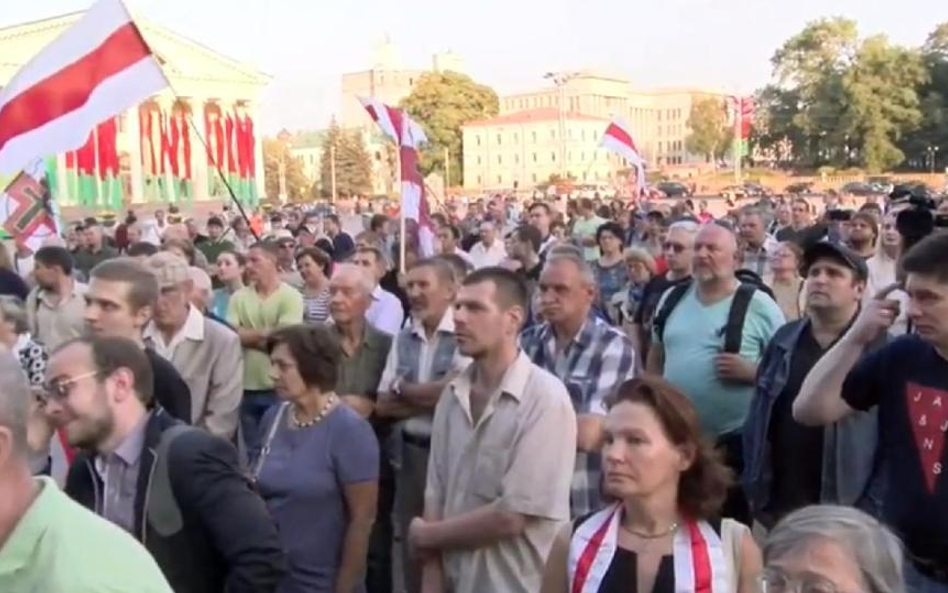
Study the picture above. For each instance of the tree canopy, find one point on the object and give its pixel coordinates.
(297, 186)
(710, 135)
(353, 163)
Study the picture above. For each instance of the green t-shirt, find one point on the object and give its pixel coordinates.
(59, 546)
(583, 228)
(694, 336)
(247, 310)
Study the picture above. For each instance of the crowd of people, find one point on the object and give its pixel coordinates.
(583, 396)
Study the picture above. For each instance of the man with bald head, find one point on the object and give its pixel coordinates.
(693, 349)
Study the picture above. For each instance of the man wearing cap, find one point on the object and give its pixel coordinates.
(206, 353)
(788, 465)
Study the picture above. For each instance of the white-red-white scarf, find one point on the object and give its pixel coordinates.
(698, 555)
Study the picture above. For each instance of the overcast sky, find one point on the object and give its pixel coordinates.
(306, 45)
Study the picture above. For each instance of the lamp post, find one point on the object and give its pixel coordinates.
(560, 79)
(932, 152)
(284, 138)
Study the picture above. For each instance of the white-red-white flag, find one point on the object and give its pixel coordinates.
(618, 138)
(94, 70)
(409, 136)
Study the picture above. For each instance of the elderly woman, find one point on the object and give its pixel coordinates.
(314, 266)
(230, 273)
(833, 549)
(640, 266)
(610, 270)
(318, 468)
(15, 338)
(660, 534)
(785, 280)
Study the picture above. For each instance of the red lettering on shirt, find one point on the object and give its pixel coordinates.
(928, 413)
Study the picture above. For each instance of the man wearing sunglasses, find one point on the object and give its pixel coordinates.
(178, 490)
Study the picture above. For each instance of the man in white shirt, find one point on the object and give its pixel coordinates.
(385, 313)
(448, 238)
(488, 251)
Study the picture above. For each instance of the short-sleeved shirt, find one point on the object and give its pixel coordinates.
(302, 480)
(694, 336)
(248, 310)
(908, 380)
(518, 455)
(58, 546)
(583, 228)
(360, 373)
(54, 324)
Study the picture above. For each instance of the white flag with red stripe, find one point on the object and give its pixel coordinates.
(618, 138)
(95, 70)
(409, 136)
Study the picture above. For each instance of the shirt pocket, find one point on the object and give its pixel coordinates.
(489, 473)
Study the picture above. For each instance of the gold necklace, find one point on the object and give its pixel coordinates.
(671, 529)
(322, 414)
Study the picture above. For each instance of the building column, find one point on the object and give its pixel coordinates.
(165, 111)
(133, 139)
(199, 166)
(251, 107)
(62, 183)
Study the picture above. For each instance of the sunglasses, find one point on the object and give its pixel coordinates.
(60, 388)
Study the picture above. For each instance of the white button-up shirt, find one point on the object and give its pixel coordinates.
(385, 313)
(482, 256)
(193, 329)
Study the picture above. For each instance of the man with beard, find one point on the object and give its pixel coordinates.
(863, 233)
(54, 307)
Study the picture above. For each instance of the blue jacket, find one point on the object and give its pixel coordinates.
(850, 460)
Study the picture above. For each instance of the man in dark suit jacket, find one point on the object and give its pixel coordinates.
(178, 490)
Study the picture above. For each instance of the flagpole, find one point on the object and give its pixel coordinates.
(98, 176)
(401, 213)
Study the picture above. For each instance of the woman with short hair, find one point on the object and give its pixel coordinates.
(314, 266)
(318, 468)
(829, 548)
(640, 267)
(609, 269)
(668, 486)
(785, 279)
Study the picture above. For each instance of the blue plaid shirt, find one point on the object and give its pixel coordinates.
(592, 366)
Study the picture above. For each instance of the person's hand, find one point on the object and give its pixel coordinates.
(417, 542)
(734, 367)
(876, 317)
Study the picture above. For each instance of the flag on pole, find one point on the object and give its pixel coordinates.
(618, 138)
(26, 210)
(409, 136)
(95, 70)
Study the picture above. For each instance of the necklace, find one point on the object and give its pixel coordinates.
(671, 529)
(322, 414)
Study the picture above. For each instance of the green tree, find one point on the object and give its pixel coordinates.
(297, 186)
(352, 160)
(442, 102)
(710, 135)
(933, 99)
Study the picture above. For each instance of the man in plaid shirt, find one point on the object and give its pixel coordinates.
(756, 245)
(591, 357)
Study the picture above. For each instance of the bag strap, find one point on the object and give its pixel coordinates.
(164, 515)
(675, 294)
(734, 330)
(265, 450)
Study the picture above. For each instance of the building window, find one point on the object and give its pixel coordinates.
(500, 180)
(534, 157)
(516, 137)
(499, 140)
(569, 156)
(516, 159)
(582, 157)
(534, 137)
(553, 156)
(553, 134)
(478, 180)
(584, 175)
(582, 135)
(411, 81)
(534, 177)
(478, 139)
(500, 160)
(478, 160)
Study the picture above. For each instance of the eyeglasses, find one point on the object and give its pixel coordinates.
(674, 247)
(59, 389)
(776, 581)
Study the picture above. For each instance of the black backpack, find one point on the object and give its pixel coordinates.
(751, 282)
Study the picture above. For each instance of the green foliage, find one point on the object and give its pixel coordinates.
(297, 187)
(353, 163)
(442, 102)
(710, 135)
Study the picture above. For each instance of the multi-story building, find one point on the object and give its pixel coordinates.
(585, 101)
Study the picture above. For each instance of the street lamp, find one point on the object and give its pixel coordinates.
(932, 152)
(284, 138)
(560, 79)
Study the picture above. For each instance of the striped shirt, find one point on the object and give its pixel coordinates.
(593, 365)
(316, 307)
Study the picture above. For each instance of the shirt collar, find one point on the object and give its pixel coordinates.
(78, 289)
(20, 547)
(193, 328)
(130, 449)
(583, 338)
(445, 326)
(513, 384)
(377, 292)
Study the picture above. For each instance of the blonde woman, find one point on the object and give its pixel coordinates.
(641, 268)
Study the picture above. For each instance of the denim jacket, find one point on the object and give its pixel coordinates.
(850, 460)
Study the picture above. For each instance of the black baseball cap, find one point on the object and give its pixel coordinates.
(838, 252)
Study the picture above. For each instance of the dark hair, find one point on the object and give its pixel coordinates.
(53, 255)
(702, 487)
(439, 218)
(610, 227)
(377, 222)
(460, 266)
(333, 219)
(111, 353)
(454, 230)
(319, 256)
(269, 247)
(240, 257)
(142, 248)
(527, 233)
(585, 203)
(186, 246)
(543, 205)
(510, 289)
(604, 212)
(215, 221)
(375, 251)
(870, 219)
(927, 257)
(442, 268)
(317, 352)
(142, 284)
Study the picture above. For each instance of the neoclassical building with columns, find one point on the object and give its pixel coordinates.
(169, 148)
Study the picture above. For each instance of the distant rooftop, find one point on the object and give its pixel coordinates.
(541, 114)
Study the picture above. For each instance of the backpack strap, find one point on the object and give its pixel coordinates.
(675, 294)
(734, 330)
(163, 513)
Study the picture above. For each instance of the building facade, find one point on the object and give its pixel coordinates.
(170, 147)
(584, 101)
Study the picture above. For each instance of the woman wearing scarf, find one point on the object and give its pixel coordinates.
(660, 534)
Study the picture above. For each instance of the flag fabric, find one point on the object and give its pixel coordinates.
(409, 136)
(26, 210)
(618, 138)
(93, 71)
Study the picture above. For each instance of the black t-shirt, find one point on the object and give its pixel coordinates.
(170, 390)
(11, 284)
(908, 380)
(342, 246)
(804, 237)
(651, 295)
(796, 450)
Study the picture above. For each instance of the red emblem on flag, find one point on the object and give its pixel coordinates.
(928, 413)
(31, 218)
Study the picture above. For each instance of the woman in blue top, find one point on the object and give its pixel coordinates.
(318, 468)
(230, 273)
(610, 270)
